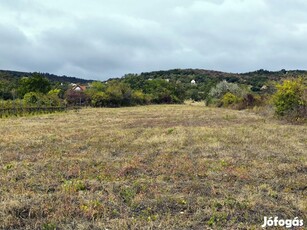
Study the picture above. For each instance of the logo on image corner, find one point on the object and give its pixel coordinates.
(275, 222)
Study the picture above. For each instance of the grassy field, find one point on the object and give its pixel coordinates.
(151, 167)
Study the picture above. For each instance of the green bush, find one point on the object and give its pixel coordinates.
(53, 97)
(193, 94)
(99, 99)
(39, 99)
(290, 99)
(224, 87)
(32, 98)
(139, 98)
(229, 99)
(225, 93)
(119, 94)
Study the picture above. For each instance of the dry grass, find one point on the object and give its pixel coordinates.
(151, 167)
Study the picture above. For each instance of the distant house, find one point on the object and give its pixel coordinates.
(78, 88)
(193, 82)
(75, 95)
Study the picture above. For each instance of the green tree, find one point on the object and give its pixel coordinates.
(95, 91)
(139, 98)
(216, 93)
(99, 99)
(164, 92)
(224, 87)
(36, 83)
(53, 96)
(98, 86)
(118, 94)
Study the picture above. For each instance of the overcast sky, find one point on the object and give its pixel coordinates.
(99, 39)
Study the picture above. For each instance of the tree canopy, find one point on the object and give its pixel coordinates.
(35, 83)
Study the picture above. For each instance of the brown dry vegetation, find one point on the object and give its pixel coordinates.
(151, 167)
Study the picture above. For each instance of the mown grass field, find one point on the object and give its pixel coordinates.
(151, 167)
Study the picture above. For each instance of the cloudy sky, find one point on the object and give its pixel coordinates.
(98, 39)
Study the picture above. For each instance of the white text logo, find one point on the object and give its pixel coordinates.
(289, 223)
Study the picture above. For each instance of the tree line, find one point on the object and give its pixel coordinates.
(166, 87)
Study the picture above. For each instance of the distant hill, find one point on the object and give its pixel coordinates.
(199, 74)
(256, 79)
(182, 75)
(8, 75)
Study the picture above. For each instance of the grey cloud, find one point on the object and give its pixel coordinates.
(101, 39)
(108, 44)
(13, 47)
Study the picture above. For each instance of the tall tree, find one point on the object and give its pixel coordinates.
(35, 83)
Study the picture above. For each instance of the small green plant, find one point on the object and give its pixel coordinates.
(170, 131)
(218, 218)
(8, 167)
(127, 194)
(49, 226)
(92, 209)
(74, 186)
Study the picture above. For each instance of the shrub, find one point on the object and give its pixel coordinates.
(224, 87)
(139, 98)
(290, 99)
(119, 94)
(53, 97)
(250, 101)
(39, 99)
(225, 93)
(99, 99)
(229, 99)
(194, 95)
(35, 98)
